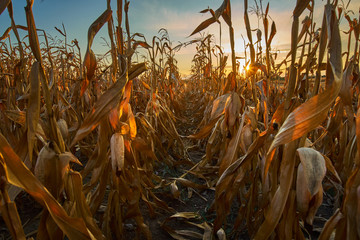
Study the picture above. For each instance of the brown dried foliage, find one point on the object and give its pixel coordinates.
(272, 146)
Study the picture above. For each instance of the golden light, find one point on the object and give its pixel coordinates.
(247, 68)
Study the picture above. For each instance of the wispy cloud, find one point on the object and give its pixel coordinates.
(180, 23)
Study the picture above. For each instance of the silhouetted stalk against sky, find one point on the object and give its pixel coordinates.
(252, 50)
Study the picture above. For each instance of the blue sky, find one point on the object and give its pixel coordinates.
(180, 18)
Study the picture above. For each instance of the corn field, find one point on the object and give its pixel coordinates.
(111, 147)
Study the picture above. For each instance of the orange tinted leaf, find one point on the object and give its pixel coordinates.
(108, 101)
(313, 112)
(206, 130)
(97, 24)
(21, 176)
(142, 44)
(146, 85)
(84, 85)
(141, 146)
(16, 116)
(132, 123)
(114, 118)
(89, 59)
(90, 65)
(306, 117)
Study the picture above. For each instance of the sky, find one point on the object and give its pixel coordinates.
(180, 18)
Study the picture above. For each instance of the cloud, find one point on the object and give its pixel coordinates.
(177, 23)
(180, 23)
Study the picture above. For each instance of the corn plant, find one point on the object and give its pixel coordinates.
(105, 142)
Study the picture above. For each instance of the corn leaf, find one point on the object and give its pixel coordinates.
(20, 175)
(33, 37)
(33, 110)
(310, 114)
(108, 101)
(278, 202)
(89, 59)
